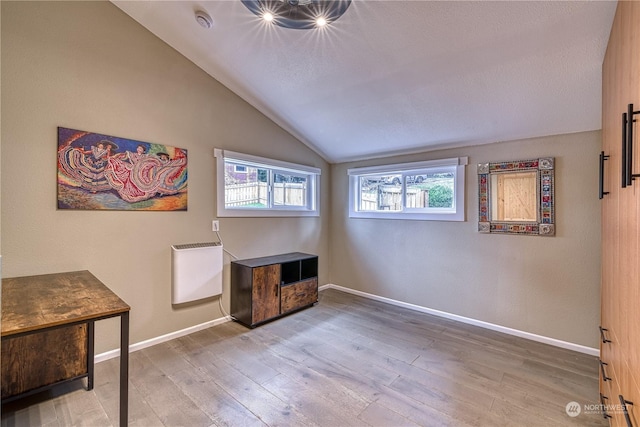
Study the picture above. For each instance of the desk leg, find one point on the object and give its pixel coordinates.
(124, 369)
(90, 353)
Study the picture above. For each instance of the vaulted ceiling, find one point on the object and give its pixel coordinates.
(393, 77)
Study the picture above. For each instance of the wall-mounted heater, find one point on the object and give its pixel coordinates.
(196, 271)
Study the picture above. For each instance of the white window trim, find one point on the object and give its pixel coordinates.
(275, 211)
(456, 214)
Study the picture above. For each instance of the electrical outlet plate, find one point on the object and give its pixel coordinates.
(215, 225)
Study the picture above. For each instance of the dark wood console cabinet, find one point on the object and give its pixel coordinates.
(266, 288)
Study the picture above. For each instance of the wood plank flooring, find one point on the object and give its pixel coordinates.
(348, 361)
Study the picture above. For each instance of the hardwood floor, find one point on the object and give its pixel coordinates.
(348, 361)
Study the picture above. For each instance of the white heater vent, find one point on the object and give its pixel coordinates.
(196, 271)
(196, 245)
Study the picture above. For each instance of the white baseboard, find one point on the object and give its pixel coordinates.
(522, 334)
(157, 340)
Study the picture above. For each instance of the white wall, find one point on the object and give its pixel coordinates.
(88, 66)
(548, 286)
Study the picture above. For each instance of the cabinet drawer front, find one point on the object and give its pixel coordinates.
(43, 358)
(299, 295)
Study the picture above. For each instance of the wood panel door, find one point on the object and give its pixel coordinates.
(620, 313)
(266, 293)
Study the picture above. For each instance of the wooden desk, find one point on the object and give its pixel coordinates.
(61, 304)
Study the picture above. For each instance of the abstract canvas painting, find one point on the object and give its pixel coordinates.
(102, 172)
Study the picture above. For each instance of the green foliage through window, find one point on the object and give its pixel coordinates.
(440, 197)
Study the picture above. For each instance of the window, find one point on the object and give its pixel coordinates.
(253, 186)
(430, 190)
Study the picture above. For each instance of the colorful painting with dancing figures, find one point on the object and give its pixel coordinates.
(102, 172)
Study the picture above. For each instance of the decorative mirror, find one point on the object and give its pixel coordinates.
(517, 197)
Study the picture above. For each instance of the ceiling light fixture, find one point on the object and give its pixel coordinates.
(298, 14)
(267, 16)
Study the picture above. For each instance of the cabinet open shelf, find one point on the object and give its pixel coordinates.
(302, 269)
